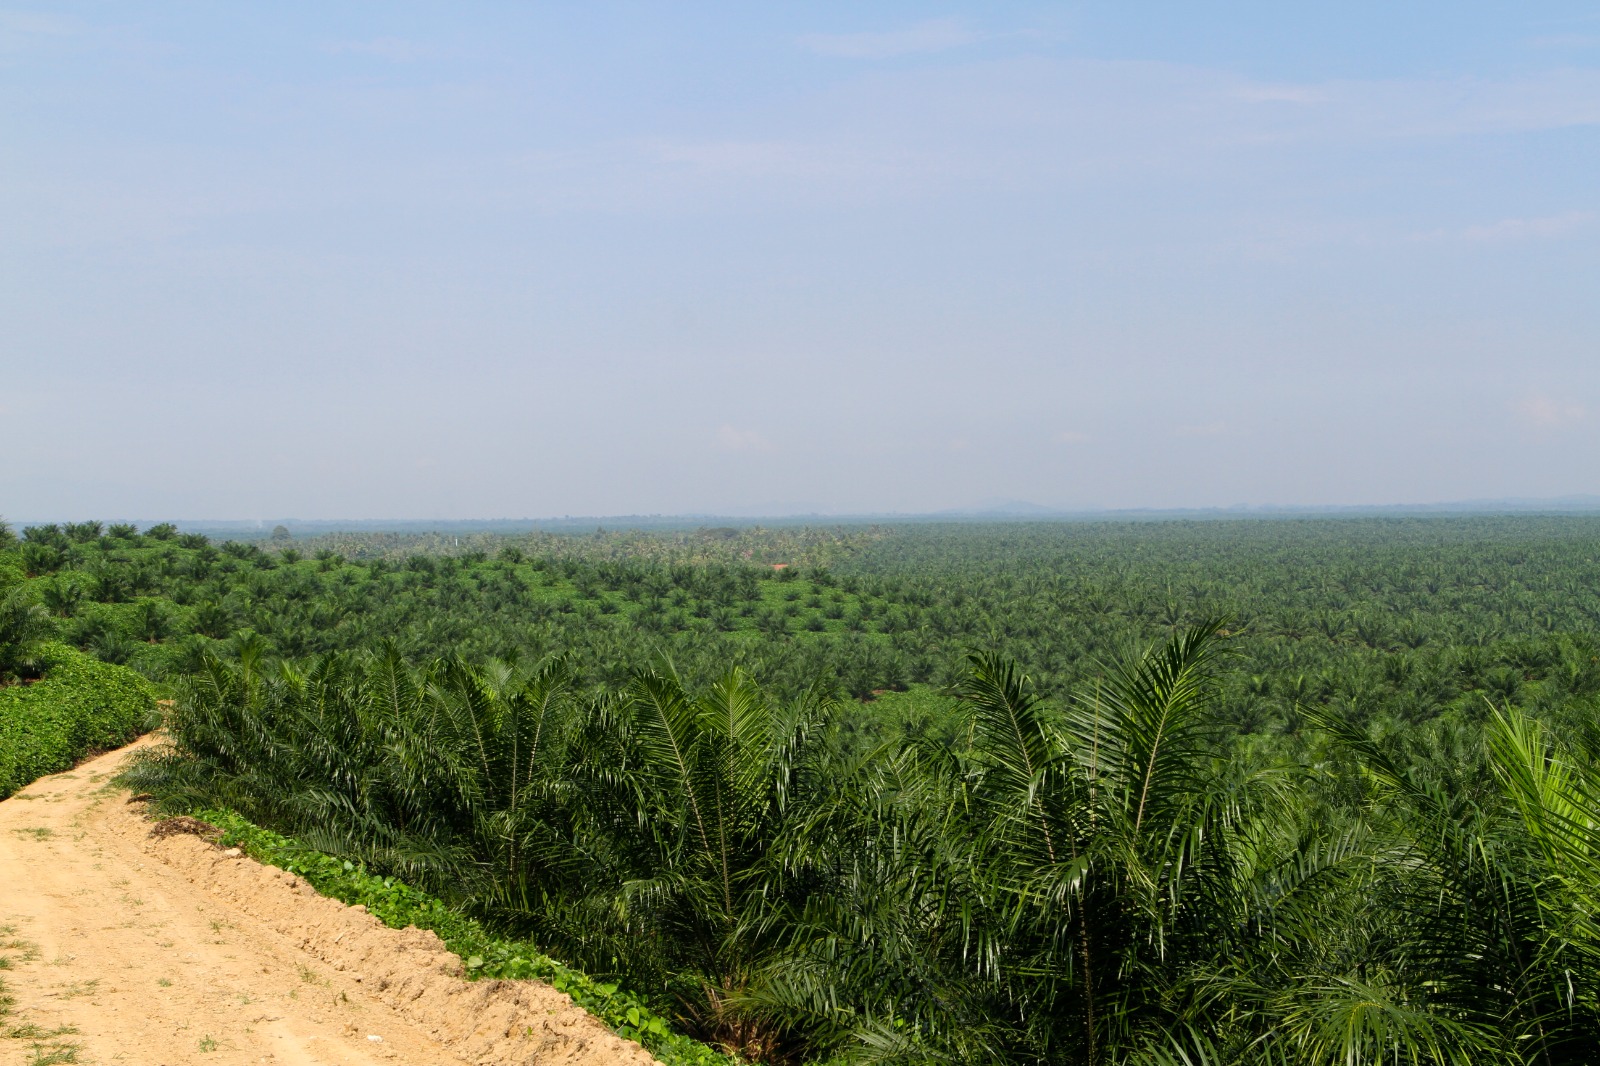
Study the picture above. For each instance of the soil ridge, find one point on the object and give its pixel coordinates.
(154, 949)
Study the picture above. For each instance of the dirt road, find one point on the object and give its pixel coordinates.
(129, 949)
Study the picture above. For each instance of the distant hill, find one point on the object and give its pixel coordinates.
(999, 510)
(1002, 509)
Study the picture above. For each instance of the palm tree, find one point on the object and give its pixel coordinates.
(717, 785)
(24, 626)
(1110, 827)
(1031, 895)
(152, 621)
(1457, 968)
(1554, 788)
(62, 596)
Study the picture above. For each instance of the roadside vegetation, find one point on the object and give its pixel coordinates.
(57, 704)
(484, 954)
(1185, 792)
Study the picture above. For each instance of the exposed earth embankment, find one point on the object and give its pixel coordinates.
(151, 950)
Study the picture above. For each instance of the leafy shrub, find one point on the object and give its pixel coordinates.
(11, 572)
(79, 706)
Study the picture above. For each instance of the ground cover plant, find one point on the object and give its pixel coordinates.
(1271, 791)
(78, 706)
(57, 704)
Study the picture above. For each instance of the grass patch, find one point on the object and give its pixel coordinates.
(53, 1054)
(9, 942)
(30, 1031)
(48, 1047)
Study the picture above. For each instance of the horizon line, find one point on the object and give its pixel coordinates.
(1018, 510)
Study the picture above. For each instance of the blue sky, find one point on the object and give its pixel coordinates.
(447, 261)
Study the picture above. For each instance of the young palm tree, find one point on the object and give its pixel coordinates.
(1111, 829)
(62, 597)
(1454, 967)
(1554, 788)
(1032, 896)
(718, 785)
(24, 626)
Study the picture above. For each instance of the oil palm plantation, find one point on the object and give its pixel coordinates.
(1102, 879)
(700, 802)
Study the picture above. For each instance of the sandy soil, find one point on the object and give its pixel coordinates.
(145, 951)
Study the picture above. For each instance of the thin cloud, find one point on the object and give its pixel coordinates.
(934, 35)
(1518, 229)
(1546, 412)
(1506, 230)
(1566, 40)
(1209, 429)
(33, 31)
(731, 438)
(18, 24)
(1071, 436)
(1281, 94)
(758, 158)
(394, 49)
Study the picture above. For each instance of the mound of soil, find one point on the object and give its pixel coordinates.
(150, 946)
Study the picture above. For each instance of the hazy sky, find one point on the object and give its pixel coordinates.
(505, 259)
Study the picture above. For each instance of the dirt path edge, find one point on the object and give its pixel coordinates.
(145, 945)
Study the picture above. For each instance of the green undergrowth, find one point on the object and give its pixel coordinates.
(79, 706)
(398, 905)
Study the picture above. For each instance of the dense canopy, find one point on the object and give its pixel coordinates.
(1291, 791)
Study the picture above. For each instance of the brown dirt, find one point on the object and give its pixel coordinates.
(158, 950)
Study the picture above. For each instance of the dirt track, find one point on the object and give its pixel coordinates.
(164, 951)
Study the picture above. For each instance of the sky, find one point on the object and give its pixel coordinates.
(446, 261)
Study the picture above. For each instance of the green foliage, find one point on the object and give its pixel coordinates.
(1401, 620)
(1042, 884)
(720, 783)
(644, 832)
(24, 627)
(139, 602)
(1325, 846)
(79, 706)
